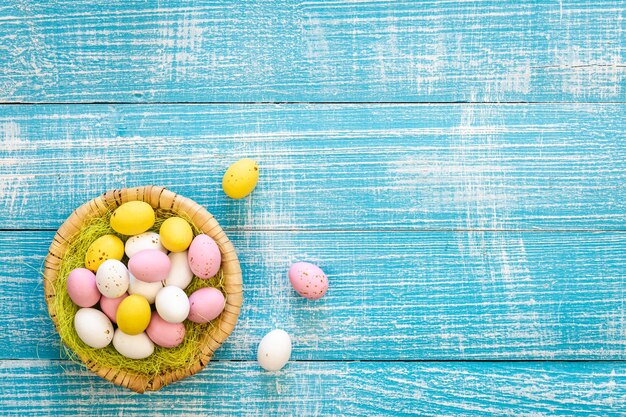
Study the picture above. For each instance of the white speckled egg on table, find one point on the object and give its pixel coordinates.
(136, 346)
(143, 241)
(274, 350)
(112, 278)
(93, 327)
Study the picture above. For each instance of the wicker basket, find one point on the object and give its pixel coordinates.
(157, 197)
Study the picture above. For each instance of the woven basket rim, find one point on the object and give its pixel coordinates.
(157, 197)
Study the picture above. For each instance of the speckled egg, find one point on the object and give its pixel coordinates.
(138, 346)
(176, 234)
(133, 314)
(103, 248)
(163, 333)
(132, 218)
(172, 304)
(240, 178)
(274, 350)
(112, 278)
(205, 305)
(204, 257)
(93, 327)
(109, 306)
(82, 288)
(143, 241)
(180, 274)
(308, 280)
(150, 265)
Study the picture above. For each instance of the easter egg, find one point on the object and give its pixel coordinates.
(93, 327)
(274, 350)
(205, 305)
(132, 218)
(308, 280)
(204, 257)
(109, 306)
(163, 333)
(240, 178)
(133, 314)
(138, 346)
(176, 234)
(143, 241)
(112, 278)
(82, 288)
(103, 248)
(180, 274)
(172, 304)
(148, 290)
(150, 265)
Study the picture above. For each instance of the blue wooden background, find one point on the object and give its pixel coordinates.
(458, 168)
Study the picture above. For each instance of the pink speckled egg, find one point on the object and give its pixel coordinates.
(82, 288)
(164, 334)
(109, 306)
(205, 305)
(204, 257)
(150, 265)
(308, 280)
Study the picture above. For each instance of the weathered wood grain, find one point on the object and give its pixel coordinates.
(282, 50)
(348, 167)
(392, 296)
(327, 388)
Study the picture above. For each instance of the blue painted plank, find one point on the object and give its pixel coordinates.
(283, 50)
(349, 167)
(327, 389)
(392, 296)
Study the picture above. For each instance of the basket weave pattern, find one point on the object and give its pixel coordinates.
(157, 197)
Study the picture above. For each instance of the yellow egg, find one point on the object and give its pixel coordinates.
(132, 218)
(240, 178)
(176, 234)
(133, 314)
(103, 248)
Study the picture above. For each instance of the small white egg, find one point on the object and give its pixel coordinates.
(143, 241)
(172, 304)
(137, 346)
(112, 278)
(274, 350)
(93, 327)
(148, 289)
(180, 274)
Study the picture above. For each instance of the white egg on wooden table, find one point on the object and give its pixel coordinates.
(274, 350)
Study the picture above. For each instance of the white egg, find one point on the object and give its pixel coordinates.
(172, 304)
(274, 350)
(93, 327)
(112, 278)
(148, 289)
(147, 240)
(180, 273)
(137, 346)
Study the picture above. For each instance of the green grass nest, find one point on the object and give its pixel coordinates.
(163, 359)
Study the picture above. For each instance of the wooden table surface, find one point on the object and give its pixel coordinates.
(457, 168)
